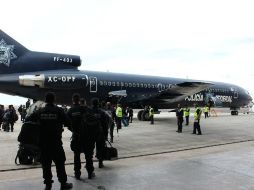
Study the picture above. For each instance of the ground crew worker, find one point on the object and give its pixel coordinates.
(186, 115)
(206, 110)
(119, 116)
(78, 137)
(51, 119)
(151, 114)
(197, 115)
(179, 115)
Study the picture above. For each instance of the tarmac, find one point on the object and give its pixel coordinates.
(154, 157)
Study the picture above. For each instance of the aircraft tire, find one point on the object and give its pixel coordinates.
(234, 112)
(145, 116)
(140, 114)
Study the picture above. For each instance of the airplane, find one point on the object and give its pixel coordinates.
(31, 74)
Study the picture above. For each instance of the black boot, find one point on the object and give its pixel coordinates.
(91, 175)
(101, 164)
(66, 186)
(77, 175)
(48, 187)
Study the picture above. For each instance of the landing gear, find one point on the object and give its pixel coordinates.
(143, 115)
(234, 112)
(140, 114)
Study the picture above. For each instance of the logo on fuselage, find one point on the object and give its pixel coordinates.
(195, 98)
(224, 98)
(6, 53)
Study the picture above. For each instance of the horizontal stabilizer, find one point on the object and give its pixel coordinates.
(118, 93)
(178, 92)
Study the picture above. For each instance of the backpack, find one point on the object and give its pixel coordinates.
(29, 133)
(16, 117)
(23, 156)
(7, 115)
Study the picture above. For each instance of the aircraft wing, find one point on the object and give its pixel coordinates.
(180, 91)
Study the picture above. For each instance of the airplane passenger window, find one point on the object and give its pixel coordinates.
(145, 85)
(134, 85)
(117, 83)
(149, 85)
(153, 85)
(105, 83)
(138, 85)
(126, 84)
(101, 83)
(113, 83)
(130, 84)
(141, 85)
(109, 83)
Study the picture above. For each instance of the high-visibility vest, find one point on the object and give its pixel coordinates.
(186, 112)
(151, 112)
(206, 109)
(119, 112)
(196, 114)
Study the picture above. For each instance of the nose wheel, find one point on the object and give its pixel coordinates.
(234, 112)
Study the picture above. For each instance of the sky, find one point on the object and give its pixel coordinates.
(198, 39)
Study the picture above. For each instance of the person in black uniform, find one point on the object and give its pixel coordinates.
(81, 137)
(103, 132)
(1, 115)
(51, 119)
(111, 112)
(179, 115)
(130, 114)
(28, 103)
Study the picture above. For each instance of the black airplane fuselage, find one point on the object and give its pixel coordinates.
(31, 74)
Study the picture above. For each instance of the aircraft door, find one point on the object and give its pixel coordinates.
(159, 87)
(93, 84)
(235, 95)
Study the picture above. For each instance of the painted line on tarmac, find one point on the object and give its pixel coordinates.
(141, 155)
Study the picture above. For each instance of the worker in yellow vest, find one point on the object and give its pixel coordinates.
(186, 112)
(119, 116)
(206, 110)
(197, 115)
(151, 113)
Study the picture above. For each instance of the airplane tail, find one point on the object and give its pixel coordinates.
(15, 58)
(10, 49)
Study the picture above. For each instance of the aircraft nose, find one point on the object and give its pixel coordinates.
(250, 98)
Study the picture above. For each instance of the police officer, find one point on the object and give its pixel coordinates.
(197, 115)
(28, 103)
(151, 114)
(111, 112)
(1, 115)
(103, 132)
(186, 115)
(119, 116)
(130, 114)
(179, 115)
(78, 138)
(51, 119)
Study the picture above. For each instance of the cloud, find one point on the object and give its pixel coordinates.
(210, 40)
